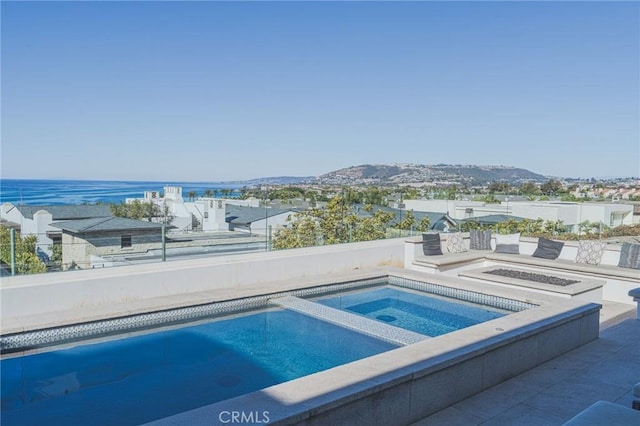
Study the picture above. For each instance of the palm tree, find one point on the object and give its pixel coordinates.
(208, 193)
(192, 195)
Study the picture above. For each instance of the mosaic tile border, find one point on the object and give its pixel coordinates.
(47, 337)
(466, 295)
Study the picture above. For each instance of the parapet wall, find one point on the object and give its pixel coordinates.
(58, 295)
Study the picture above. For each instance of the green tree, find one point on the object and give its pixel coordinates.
(490, 199)
(334, 224)
(424, 225)
(499, 187)
(372, 227)
(551, 187)
(150, 211)
(408, 221)
(529, 188)
(56, 254)
(27, 261)
(303, 231)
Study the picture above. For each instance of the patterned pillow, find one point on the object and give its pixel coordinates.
(455, 243)
(629, 256)
(590, 252)
(509, 243)
(480, 240)
(431, 244)
(548, 249)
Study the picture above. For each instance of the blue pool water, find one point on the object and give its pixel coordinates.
(138, 379)
(420, 313)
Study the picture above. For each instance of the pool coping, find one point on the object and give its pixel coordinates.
(477, 357)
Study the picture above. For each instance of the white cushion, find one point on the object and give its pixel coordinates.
(590, 252)
(455, 243)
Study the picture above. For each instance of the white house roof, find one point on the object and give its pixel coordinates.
(67, 212)
(105, 224)
(243, 215)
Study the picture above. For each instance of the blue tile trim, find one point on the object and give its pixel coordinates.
(466, 295)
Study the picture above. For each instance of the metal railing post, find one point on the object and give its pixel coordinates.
(164, 245)
(12, 235)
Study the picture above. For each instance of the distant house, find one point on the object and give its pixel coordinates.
(438, 221)
(492, 219)
(37, 220)
(257, 220)
(204, 214)
(570, 213)
(84, 241)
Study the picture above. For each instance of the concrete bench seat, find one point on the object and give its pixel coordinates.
(605, 413)
(450, 260)
(618, 281)
(597, 271)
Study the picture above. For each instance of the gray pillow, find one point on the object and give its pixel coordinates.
(480, 240)
(629, 256)
(431, 244)
(548, 249)
(509, 243)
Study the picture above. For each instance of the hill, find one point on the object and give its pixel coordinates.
(275, 180)
(438, 173)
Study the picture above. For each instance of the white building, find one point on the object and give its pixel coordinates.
(257, 220)
(36, 220)
(209, 213)
(570, 213)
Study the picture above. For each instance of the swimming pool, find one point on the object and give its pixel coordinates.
(137, 379)
(144, 375)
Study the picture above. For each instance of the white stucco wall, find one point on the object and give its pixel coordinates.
(276, 222)
(46, 294)
(39, 225)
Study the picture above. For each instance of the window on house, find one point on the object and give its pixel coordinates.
(125, 241)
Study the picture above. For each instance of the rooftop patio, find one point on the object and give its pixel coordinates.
(551, 393)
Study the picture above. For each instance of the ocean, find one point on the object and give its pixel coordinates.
(48, 192)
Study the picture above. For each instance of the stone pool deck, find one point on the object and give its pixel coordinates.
(552, 393)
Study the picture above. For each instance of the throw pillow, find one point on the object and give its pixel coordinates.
(629, 256)
(455, 243)
(548, 249)
(480, 240)
(431, 244)
(590, 252)
(509, 243)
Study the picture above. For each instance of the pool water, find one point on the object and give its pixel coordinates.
(138, 379)
(421, 313)
(134, 378)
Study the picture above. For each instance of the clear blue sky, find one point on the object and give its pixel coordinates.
(206, 91)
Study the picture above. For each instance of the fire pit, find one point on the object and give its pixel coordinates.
(538, 281)
(531, 276)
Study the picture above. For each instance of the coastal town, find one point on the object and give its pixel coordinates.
(169, 224)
